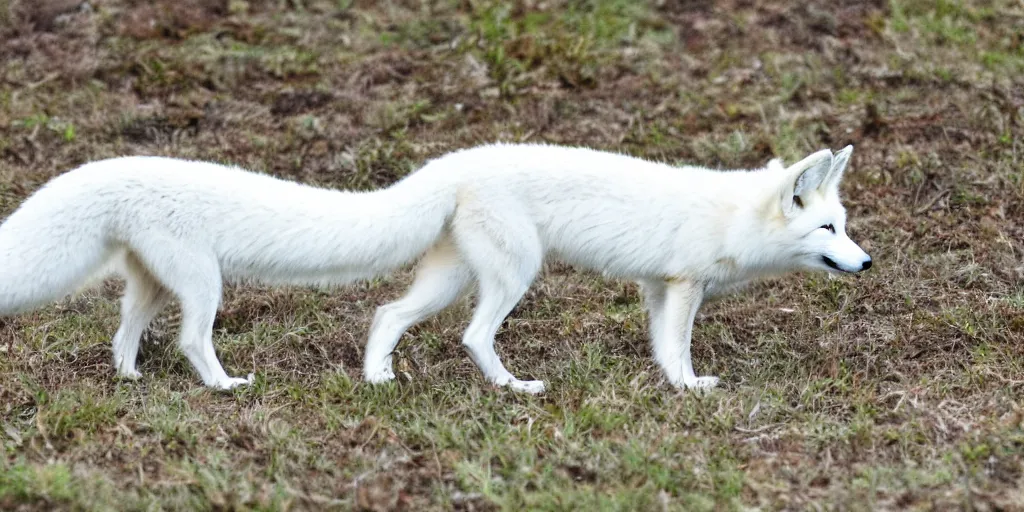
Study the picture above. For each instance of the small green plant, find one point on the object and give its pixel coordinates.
(65, 130)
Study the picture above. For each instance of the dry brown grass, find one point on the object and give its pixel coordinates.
(898, 389)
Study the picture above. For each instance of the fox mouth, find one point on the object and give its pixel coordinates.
(831, 263)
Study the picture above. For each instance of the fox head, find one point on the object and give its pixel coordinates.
(813, 216)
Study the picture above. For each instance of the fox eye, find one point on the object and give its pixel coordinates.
(829, 227)
(798, 202)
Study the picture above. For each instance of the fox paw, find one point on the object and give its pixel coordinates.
(533, 387)
(132, 374)
(379, 376)
(701, 384)
(233, 382)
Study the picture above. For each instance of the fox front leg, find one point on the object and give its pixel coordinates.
(673, 306)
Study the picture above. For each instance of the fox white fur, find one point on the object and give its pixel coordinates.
(489, 216)
(683, 233)
(178, 229)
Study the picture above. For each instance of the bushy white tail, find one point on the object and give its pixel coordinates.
(177, 230)
(45, 255)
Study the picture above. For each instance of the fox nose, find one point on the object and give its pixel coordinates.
(866, 265)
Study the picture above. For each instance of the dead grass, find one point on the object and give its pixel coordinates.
(898, 389)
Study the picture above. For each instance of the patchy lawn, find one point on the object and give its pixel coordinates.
(897, 389)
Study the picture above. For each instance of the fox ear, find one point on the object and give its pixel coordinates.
(776, 164)
(804, 176)
(835, 174)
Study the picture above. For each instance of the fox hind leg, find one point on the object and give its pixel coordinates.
(441, 277)
(193, 276)
(505, 258)
(144, 298)
(495, 302)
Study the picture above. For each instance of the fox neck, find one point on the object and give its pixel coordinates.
(754, 241)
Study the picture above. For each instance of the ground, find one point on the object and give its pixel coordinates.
(900, 388)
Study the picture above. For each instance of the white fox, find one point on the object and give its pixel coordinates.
(176, 228)
(683, 233)
(490, 215)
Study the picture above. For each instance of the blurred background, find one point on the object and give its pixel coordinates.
(897, 389)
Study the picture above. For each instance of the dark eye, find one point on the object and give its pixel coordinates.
(798, 202)
(829, 227)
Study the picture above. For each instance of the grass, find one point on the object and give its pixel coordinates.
(898, 389)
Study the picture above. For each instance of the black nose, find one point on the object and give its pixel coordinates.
(866, 265)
